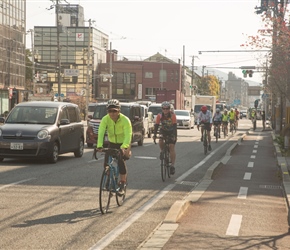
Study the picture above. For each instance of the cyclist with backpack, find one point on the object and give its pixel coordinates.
(168, 126)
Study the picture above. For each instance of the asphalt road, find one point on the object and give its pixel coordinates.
(55, 206)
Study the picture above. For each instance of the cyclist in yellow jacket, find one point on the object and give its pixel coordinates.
(119, 131)
(232, 115)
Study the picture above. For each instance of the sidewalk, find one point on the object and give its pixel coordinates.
(241, 203)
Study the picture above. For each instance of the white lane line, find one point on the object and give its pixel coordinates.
(16, 183)
(256, 142)
(253, 157)
(255, 146)
(145, 157)
(255, 151)
(112, 235)
(243, 193)
(234, 225)
(107, 239)
(247, 176)
(250, 164)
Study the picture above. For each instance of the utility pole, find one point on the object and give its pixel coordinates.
(32, 59)
(111, 72)
(58, 51)
(88, 70)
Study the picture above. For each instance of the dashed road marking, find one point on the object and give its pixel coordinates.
(255, 151)
(247, 176)
(234, 225)
(243, 193)
(255, 146)
(250, 164)
(253, 156)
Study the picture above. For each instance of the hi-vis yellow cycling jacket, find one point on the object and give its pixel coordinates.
(118, 132)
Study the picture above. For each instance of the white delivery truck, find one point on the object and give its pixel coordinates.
(200, 100)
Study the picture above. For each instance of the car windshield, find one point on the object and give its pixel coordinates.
(101, 111)
(181, 112)
(198, 107)
(32, 115)
(155, 110)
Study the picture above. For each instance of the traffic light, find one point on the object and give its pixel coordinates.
(245, 72)
(256, 103)
(250, 73)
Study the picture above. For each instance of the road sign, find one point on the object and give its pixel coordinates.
(71, 72)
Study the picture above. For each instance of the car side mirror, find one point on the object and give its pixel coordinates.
(64, 122)
(90, 116)
(2, 119)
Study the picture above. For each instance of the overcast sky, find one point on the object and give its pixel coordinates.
(139, 29)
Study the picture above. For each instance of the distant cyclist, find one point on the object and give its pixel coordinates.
(225, 121)
(204, 117)
(119, 129)
(168, 126)
(237, 116)
(217, 121)
(232, 116)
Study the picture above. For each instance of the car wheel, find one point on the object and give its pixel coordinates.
(140, 143)
(80, 151)
(1, 159)
(54, 154)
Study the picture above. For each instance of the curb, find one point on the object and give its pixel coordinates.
(282, 164)
(179, 207)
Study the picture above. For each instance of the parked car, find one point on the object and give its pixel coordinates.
(132, 110)
(42, 129)
(185, 119)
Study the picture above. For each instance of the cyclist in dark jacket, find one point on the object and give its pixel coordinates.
(167, 121)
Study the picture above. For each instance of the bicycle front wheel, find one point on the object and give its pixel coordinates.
(216, 135)
(163, 167)
(167, 160)
(105, 192)
(205, 143)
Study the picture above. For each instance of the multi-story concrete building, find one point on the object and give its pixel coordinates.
(75, 49)
(12, 53)
(236, 91)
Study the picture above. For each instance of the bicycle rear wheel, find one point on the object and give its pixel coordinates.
(120, 199)
(105, 192)
(163, 167)
(167, 160)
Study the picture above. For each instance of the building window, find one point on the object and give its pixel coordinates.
(148, 75)
(162, 75)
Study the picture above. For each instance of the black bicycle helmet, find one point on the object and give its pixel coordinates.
(113, 103)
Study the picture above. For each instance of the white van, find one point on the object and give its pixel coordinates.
(147, 121)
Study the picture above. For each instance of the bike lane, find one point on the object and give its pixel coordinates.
(242, 208)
